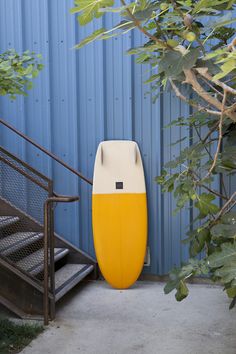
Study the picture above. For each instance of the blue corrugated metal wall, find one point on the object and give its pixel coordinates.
(84, 97)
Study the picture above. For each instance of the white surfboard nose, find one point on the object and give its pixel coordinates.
(115, 145)
(118, 168)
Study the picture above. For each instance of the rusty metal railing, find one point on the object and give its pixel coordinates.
(45, 184)
(45, 151)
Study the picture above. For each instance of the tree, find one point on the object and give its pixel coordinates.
(17, 72)
(191, 48)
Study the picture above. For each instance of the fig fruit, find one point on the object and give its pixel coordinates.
(164, 6)
(188, 20)
(190, 36)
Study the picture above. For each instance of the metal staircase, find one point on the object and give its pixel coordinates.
(37, 266)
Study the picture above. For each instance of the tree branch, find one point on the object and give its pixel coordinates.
(199, 183)
(229, 204)
(193, 81)
(200, 138)
(220, 136)
(214, 192)
(198, 106)
(143, 30)
(209, 77)
(215, 126)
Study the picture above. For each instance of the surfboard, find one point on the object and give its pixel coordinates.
(119, 212)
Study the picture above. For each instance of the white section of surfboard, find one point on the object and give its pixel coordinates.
(118, 168)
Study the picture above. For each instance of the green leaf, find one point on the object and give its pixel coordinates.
(226, 68)
(215, 53)
(90, 9)
(228, 157)
(146, 48)
(95, 35)
(224, 257)
(229, 218)
(29, 85)
(170, 286)
(174, 62)
(123, 25)
(172, 43)
(199, 239)
(206, 5)
(231, 292)
(182, 291)
(144, 15)
(117, 9)
(233, 303)
(152, 78)
(178, 276)
(205, 205)
(221, 21)
(223, 231)
(227, 273)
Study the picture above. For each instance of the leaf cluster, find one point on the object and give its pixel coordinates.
(17, 72)
(168, 26)
(185, 177)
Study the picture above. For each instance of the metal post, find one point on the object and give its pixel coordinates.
(45, 294)
(47, 242)
(51, 248)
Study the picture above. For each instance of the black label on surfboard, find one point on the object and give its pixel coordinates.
(119, 185)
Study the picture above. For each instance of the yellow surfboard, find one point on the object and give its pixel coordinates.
(119, 212)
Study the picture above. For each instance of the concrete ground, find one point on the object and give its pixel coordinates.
(95, 319)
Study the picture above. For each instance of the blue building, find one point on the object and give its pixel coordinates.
(84, 97)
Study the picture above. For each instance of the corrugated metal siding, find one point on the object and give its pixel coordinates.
(84, 97)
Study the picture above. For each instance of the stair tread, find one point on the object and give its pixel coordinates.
(34, 262)
(70, 275)
(8, 220)
(17, 241)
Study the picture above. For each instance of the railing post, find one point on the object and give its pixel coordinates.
(51, 250)
(49, 243)
(46, 293)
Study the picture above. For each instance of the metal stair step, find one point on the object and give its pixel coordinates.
(34, 264)
(8, 220)
(18, 241)
(70, 275)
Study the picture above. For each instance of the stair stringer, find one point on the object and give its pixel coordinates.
(20, 293)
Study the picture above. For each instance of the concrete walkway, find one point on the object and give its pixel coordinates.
(96, 319)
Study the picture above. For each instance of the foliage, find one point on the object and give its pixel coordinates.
(14, 337)
(17, 72)
(191, 48)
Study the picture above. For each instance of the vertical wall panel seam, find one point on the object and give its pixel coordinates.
(160, 234)
(132, 89)
(50, 54)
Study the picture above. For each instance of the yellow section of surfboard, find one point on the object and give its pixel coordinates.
(119, 212)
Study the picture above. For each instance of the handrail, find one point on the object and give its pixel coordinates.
(45, 151)
(24, 164)
(50, 200)
(27, 175)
